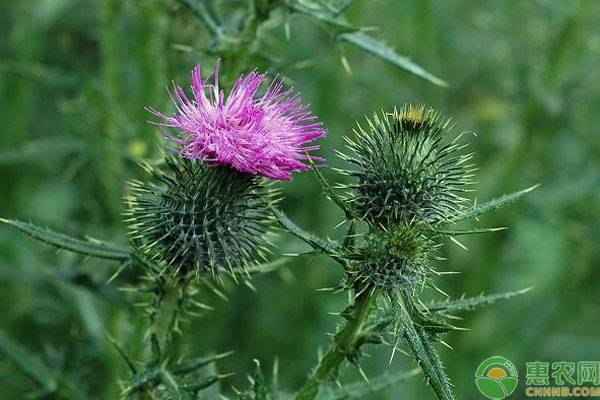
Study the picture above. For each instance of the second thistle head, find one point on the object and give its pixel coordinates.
(406, 168)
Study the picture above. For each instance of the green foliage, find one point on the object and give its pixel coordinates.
(386, 53)
(379, 323)
(237, 42)
(348, 33)
(179, 376)
(322, 245)
(49, 381)
(28, 362)
(258, 390)
(359, 390)
(493, 205)
(471, 303)
(421, 346)
(196, 218)
(89, 247)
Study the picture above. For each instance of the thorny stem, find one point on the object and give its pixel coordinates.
(164, 317)
(344, 344)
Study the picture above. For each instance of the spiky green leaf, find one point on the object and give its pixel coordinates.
(471, 303)
(259, 385)
(422, 348)
(324, 15)
(475, 231)
(346, 32)
(330, 193)
(492, 205)
(89, 247)
(193, 364)
(380, 322)
(267, 267)
(386, 53)
(326, 246)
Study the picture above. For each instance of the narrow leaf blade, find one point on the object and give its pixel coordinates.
(346, 32)
(359, 390)
(474, 231)
(494, 204)
(386, 53)
(316, 242)
(315, 11)
(92, 248)
(471, 303)
(422, 349)
(29, 363)
(203, 12)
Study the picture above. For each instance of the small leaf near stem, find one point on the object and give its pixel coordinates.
(475, 231)
(343, 345)
(492, 205)
(329, 192)
(359, 390)
(326, 246)
(471, 303)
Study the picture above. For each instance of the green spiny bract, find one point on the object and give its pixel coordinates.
(406, 168)
(195, 217)
(389, 258)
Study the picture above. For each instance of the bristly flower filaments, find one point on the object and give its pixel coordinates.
(266, 134)
(406, 169)
(197, 218)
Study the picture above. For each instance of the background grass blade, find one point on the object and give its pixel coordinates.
(387, 53)
(29, 363)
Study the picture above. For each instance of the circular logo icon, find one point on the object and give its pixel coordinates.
(496, 378)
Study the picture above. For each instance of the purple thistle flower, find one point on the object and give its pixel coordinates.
(264, 135)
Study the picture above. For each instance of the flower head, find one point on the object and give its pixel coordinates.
(408, 168)
(192, 218)
(259, 135)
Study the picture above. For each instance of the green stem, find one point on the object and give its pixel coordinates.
(344, 343)
(165, 316)
(325, 246)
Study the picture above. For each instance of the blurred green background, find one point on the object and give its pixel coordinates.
(75, 77)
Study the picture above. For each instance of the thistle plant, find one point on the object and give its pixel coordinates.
(208, 208)
(410, 181)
